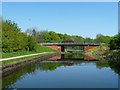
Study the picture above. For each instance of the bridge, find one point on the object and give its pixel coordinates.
(61, 46)
(70, 44)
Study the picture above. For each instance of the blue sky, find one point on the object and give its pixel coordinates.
(80, 18)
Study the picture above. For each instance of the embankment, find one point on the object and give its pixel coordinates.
(104, 52)
(13, 67)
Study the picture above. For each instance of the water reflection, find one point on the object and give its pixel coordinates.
(119, 82)
(60, 65)
(72, 56)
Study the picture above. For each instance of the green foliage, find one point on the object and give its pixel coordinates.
(18, 59)
(31, 43)
(40, 48)
(47, 37)
(53, 37)
(102, 39)
(37, 49)
(88, 40)
(49, 66)
(13, 39)
(102, 49)
(17, 53)
(115, 42)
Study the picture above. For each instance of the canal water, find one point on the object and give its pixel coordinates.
(65, 71)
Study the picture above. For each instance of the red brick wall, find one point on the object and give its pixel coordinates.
(87, 57)
(55, 47)
(88, 47)
(59, 48)
(55, 58)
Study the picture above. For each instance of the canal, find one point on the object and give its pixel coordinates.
(65, 71)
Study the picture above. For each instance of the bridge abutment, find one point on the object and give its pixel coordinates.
(88, 47)
(55, 47)
(62, 49)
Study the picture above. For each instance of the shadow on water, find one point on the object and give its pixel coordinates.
(59, 60)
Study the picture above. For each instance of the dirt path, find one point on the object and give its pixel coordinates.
(4, 59)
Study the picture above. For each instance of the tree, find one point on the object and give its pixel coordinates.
(54, 36)
(102, 39)
(88, 40)
(31, 43)
(115, 42)
(13, 39)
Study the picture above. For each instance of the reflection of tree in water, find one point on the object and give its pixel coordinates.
(7, 81)
(115, 66)
(102, 64)
(49, 66)
(74, 55)
(18, 74)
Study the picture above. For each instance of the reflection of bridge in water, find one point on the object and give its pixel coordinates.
(61, 57)
(72, 50)
(71, 61)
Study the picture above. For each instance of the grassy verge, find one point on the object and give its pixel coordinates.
(102, 49)
(104, 52)
(38, 49)
(18, 59)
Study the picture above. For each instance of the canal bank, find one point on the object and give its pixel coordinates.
(12, 67)
(104, 52)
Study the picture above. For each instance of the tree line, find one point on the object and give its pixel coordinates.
(53, 37)
(13, 39)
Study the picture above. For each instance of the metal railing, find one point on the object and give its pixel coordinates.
(70, 43)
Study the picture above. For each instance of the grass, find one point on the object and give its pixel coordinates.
(99, 49)
(18, 59)
(38, 49)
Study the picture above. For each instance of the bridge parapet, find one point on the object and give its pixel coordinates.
(70, 44)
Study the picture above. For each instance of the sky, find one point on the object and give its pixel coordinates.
(0, 9)
(85, 19)
(60, 0)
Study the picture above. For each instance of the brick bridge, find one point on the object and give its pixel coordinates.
(61, 46)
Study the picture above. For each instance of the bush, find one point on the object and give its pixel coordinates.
(115, 42)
